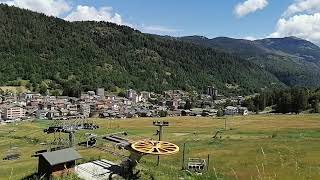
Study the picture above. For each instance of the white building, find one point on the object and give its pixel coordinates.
(100, 92)
(41, 114)
(243, 111)
(212, 91)
(130, 93)
(133, 96)
(91, 93)
(231, 110)
(145, 96)
(72, 108)
(85, 110)
(32, 95)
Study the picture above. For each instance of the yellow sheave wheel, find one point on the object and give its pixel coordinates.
(155, 147)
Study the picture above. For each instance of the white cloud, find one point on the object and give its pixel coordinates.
(156, 29)
(250, 38)
(63, 9)
(301, 19)
(87, 13)
(307, 6)
(249, 6)
(303, 26)
(48, 7)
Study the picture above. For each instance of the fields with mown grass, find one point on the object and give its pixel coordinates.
(253, 147)
(14, 89)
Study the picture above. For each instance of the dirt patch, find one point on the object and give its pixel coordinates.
(181, 134)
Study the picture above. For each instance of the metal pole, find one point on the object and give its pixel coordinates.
(225, 124)
(183, 151)
(208, 162)
(71, 139)
(87, 142)
(10, 141)
(160, 134)
(160, 131)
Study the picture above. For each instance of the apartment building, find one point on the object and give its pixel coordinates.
(14, 112)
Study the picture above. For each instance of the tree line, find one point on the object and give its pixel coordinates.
(293, 100)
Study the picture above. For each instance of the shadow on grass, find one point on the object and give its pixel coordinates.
(33, 176)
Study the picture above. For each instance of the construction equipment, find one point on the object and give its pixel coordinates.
(155, 147)
(196, 165)
(137, 151)
(91, 140)
(69, 127)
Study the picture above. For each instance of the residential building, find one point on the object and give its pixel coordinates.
(100, 92)
(130, 93)
(85, 110)
(91, 93)
(63, 112)
(243, 111)
(14, 112)
(41, 114)
(111, 97)
(72, 108)
(145, 96)
(32, 96)
(231, 110)
(136, 98)
(212, 91)
(133, 96)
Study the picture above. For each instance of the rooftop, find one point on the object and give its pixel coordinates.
(61, 156)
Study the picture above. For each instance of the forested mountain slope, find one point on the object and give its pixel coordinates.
(294, 61)
(86, 55)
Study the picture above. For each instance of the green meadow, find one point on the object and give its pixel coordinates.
(252, 147)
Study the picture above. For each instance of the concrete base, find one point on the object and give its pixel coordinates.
(98, 170)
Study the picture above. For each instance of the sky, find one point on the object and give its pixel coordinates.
(246, 19)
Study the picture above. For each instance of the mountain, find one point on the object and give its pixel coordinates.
(73, 56)
(294, 61)
(294, 46)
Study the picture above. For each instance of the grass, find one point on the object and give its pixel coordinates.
(14, 89)
(256, 147)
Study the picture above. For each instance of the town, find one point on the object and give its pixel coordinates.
(130, 104)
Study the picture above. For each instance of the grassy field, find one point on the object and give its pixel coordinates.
(14, 89)
(253, 147)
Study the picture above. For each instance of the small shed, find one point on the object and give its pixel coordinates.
(57, 163)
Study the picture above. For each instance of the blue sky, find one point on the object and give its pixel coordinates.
(248, 19)
(209, 18)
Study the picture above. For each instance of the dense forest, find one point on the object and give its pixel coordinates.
(292, 100)
(58, 55)
(294, 61)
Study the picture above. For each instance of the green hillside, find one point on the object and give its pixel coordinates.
(295, 62)
(86, 55)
